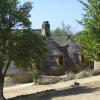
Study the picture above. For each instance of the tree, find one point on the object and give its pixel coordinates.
(90, 36)
(31, 45)
(91, 19)
(64, 30)
(12, 16)
(17, 41)
(88, 44)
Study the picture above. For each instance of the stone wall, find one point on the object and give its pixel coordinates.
(96, 65)
(13, 79)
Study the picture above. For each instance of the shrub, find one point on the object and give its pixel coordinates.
(83, 74)
(34, 72)
(44, 80)
(67, 76)
(96, 72)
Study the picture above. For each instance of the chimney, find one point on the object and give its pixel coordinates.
(46, 29)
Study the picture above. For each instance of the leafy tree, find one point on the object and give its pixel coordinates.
(29, 45)
(89, 45)
(91, 19)
(17, 41)
(90, 36)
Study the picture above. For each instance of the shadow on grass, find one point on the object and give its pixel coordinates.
(49, 94)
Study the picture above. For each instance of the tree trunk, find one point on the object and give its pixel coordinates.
(1, 85)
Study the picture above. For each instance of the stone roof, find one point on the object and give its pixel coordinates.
(53, 48)
(73, 47)
(56, 53)
(60, 39)
(66, 40)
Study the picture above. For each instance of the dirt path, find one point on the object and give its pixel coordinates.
(89, 89)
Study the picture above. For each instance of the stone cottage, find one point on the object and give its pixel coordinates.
(64, 54)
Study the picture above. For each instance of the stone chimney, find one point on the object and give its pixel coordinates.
(46, 29)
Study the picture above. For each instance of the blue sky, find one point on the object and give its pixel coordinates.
(56, 12)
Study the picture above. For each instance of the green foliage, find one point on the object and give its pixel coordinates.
(90, 36)
(34, 72)
(89, 45)
(14, 15)
(28, 48)
(91, 19)
(17, 41)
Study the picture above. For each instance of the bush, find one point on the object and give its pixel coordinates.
(96, 72)
(83, 74)
(67, 76)
(35, 73)
(44, 80)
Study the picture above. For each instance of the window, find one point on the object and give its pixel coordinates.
(61, 60)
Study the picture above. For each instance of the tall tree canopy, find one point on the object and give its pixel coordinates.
(90, 36)
(17, 41)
